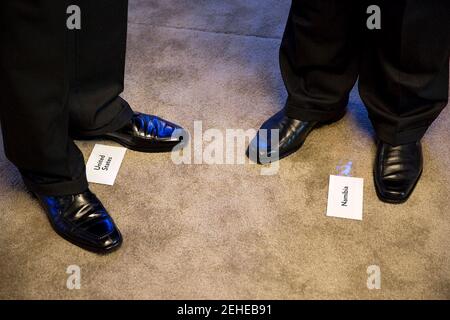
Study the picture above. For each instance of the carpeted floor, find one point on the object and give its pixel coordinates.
(226, 231)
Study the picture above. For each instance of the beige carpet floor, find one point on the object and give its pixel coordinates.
(226, 231)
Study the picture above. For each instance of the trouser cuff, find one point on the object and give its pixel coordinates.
(311, 113)
(59, 188)
(395, 138)
(122, 118)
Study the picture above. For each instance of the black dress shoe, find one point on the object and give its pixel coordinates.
(82, 220)
(147, 133)
(397, 171)
(292, 135)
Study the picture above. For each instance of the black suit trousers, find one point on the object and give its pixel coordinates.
(402, 67)
(59, 83)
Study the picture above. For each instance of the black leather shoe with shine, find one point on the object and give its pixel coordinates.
(82, 220)
(292, 135)
(397, 171)
(147, 133)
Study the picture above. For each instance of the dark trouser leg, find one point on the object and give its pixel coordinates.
(319, 57)
(98, 75)
(33, 102)
(404, 72)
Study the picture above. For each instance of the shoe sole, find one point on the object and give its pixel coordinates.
(103, 251)
(134, 147)
(168, 147)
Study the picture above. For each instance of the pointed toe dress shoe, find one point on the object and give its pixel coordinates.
(147, 133)
(397, 171)
(292, 133)
(82, 220)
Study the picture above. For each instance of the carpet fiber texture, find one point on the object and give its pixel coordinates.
(225, 231)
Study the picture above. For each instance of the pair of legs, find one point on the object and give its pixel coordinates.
(403, 77)
(58, 84)
(402, 68)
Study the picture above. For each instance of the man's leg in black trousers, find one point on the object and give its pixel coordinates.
(404, 70)
(36, 69)
(404, 84)
(57, 81)
(96, 109)
(99, 64)
(319, 64)
(33, 106)
(319, 57)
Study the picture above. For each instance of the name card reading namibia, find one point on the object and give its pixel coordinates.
(345, 197)
(104, 164)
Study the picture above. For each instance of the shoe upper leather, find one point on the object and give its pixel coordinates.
(83, 220)
(292, 134)
(152, 128)
(398, 169)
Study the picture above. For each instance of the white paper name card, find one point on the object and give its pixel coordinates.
(104, 164)
(345, 197)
